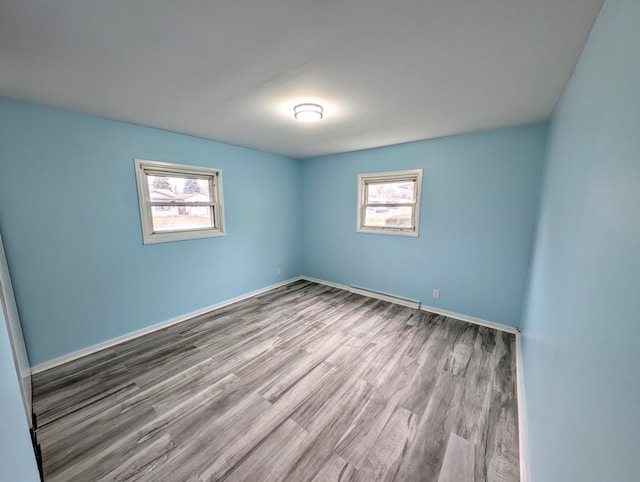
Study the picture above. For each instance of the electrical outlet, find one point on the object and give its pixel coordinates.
(436, 294)
(277, 271)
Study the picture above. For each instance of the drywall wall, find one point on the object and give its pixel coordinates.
(71, 227)
(17, 460)
(581, 330)
(479, 200)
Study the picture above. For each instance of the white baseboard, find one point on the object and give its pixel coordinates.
(158, 326)
(522, 417)
(324, 282)
(411, 303)
(149, 329)
(470, 319)
(365, 292)
(385, 297)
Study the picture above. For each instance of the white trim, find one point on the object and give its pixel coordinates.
(149, 329)
(386, 297)
(522, 426)
(409, 174)
(324, 282)
(14, 332)
(470, 319)
(522, 417)
(149, 236)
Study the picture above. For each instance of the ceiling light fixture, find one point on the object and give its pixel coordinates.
(308, 112)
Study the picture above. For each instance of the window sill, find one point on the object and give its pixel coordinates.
(412, 234)
(169, 237)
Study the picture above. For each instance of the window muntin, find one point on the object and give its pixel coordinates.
(179, 202)
(389, 202)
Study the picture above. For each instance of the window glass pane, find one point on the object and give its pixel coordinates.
(396, 217)
(171, 218)
(182, 189)
(390, 192)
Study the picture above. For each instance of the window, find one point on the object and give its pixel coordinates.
(179, 202)
(389, 202)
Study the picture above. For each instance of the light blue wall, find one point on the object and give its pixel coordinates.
(71, 226)
(479, 200)
(17, 462)
(581, 321)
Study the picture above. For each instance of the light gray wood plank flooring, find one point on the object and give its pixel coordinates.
(302, 383)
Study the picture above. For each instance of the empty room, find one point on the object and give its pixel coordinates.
(320, 241)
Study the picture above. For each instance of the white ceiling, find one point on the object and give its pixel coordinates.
(386, 71)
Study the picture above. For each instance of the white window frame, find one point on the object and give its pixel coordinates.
(214, 176)
(413, 175)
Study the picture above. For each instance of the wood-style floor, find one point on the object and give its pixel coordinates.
(302, 383)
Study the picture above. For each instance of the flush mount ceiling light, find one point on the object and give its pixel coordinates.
(308, 112)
